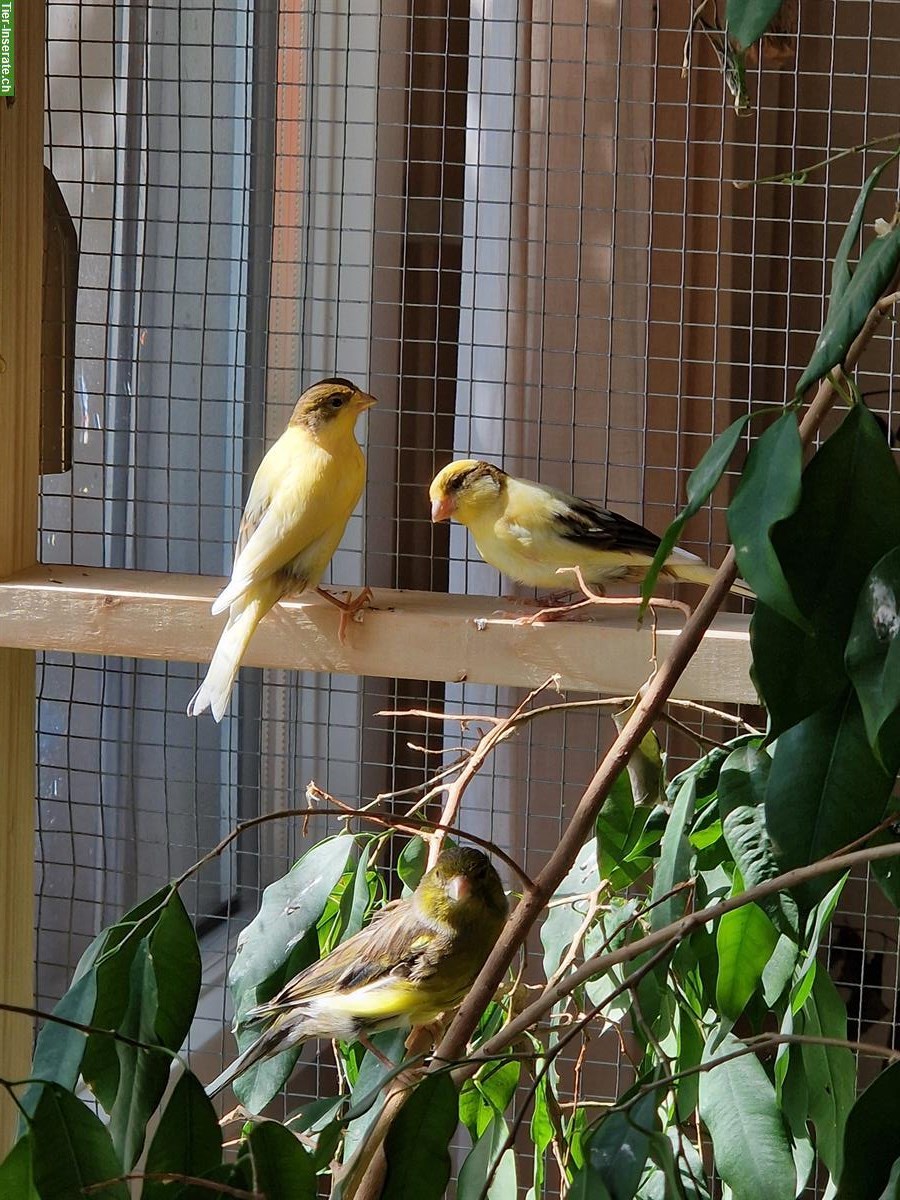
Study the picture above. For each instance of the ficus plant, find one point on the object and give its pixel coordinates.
(685, 913)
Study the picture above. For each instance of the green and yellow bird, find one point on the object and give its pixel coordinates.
(417, 958)
(531, 532)
(302, 496)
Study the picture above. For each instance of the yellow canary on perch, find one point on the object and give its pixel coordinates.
(302, 496)
(531, 532)
(416, 959)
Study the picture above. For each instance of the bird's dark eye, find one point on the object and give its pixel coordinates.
(337, 401)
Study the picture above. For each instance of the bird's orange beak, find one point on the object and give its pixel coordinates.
(442, 508)
(364, 401)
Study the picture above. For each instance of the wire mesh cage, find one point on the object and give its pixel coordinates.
(522, 227)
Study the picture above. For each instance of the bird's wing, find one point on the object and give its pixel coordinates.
(299, 495)
(587, 524)
(394, 946)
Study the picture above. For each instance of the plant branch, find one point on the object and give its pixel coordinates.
(645, 712)
(679, 929)
(209, 1185)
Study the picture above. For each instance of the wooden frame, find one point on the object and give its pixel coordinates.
(21, 278)
(404, 634)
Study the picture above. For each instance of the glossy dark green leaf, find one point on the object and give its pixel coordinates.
(873, 657)
(892, 1188)
(748, 20)
(742, 791)
(700, 484)
(479, 1163)
(59, 1050)
(164, 984)
(750, 1143)
(282, 1167)
(769, 492)
(16, 1175)
(830, 1070)
(847, 315)
(674, 864)
(72, 1150)
(367, 1097)
(745, 939)
(280, 941)
(110, 957)
(847, 520)
(187, 1141)
(416, 1148)
(817, 766)
(616, 1149)
(872, 1139)
(620, 827)
(840, 272)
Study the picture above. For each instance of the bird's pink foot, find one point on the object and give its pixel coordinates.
(349, 608)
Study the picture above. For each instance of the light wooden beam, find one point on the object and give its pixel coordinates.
(21, 274)
(410, 635)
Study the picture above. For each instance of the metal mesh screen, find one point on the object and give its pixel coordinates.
(516, 224)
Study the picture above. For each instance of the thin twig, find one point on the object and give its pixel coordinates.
(800, 176)
(208, 1185)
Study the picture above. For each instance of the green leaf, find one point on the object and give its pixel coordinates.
(645, 766)
(747, 20)
(675, 858)
(72, 1150)
(779, 969)
(700, 484)
(892, 1190)
(282, 1168)
(416, 1148)
(830, 1070)
(817, 765)
(366, 1099)
(110, 956)
(680, 1174)
(742, 790)
(847, 519)
(412, 862)
(187, 1141)
(290, 908)
(279, 942)
(738, 1107)
(769, 491)
(16, 1176)
(840, 272)
(497, 1082)
(848, 312)
(164, 985)
(745, 940)
(616, 1149)
(620, 829)
(873, 657)
(479, 1162)
(59, 1050)
(872, 1139)
(564, 919)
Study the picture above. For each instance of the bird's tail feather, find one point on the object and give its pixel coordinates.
(691, 570)
(264, 1046)
(215, 690)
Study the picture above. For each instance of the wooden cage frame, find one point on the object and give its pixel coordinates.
(149, 615)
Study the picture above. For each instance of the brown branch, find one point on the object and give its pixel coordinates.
(645, 712)
(209, 1185)
(25, 1011)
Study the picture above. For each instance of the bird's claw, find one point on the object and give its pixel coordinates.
(351, 610)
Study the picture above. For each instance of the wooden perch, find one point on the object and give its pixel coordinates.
(404, 634)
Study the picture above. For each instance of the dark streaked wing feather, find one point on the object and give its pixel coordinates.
(394, 943)
(590, 525)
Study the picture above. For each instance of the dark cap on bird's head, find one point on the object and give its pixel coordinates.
(325, 401)
(468, 479)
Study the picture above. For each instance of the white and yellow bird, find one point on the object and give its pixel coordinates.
(302, 496)
(537, 535)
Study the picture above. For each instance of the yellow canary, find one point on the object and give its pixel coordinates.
(416, 959)
(301, 499)
(530, 532)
